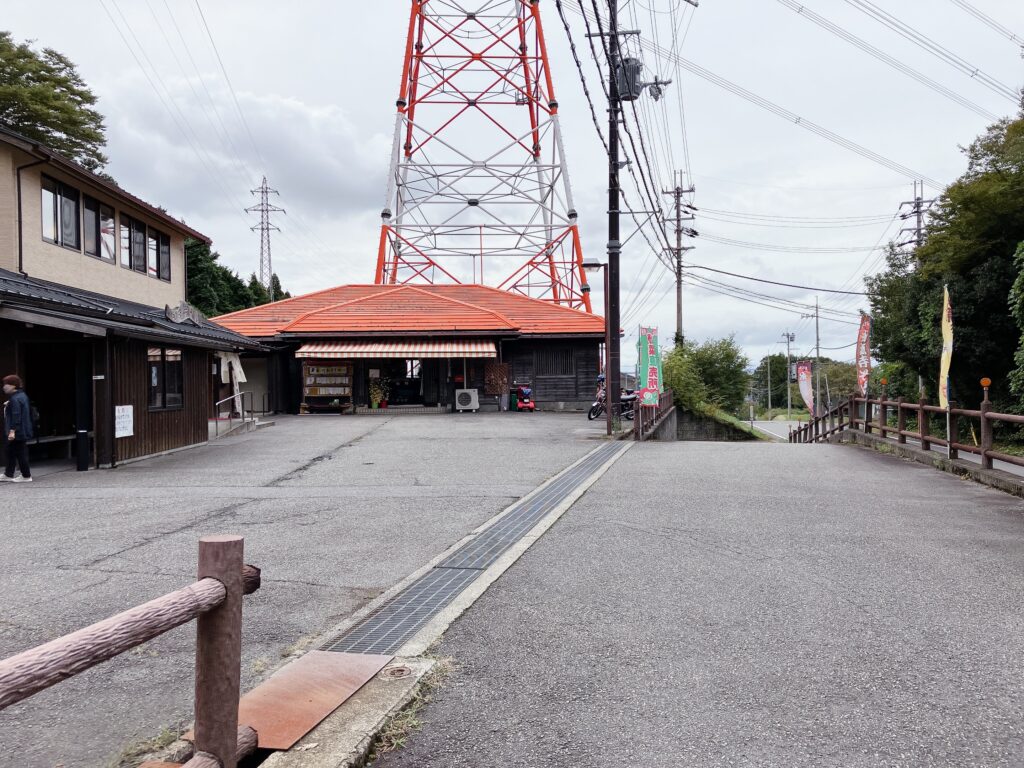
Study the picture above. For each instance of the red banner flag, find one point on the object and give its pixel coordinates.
(863, 354)
(805, 377)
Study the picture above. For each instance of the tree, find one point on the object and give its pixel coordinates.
(276, 292)
(43, 97)
(683, 378)
(257, 291)
(214, 289)
(970, 246)
(779, 380)
(723, 370)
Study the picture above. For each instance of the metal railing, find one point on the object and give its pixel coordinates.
(647, 418)
(240, 398)
(215, 601)
(871, 415)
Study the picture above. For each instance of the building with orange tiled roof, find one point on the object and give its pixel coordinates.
(341, 348)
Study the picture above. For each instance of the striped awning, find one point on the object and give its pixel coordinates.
(407, 350)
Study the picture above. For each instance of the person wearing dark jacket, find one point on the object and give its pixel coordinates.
(18, 427)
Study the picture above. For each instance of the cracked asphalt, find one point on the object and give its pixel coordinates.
(747, 604)
(334, 510)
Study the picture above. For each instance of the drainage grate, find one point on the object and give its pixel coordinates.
(482, 551)
(389, 627)
(386, 630)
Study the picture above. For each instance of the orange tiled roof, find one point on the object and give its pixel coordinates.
(420, 309)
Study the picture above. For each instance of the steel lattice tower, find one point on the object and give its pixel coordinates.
(478, 189)
(264, 209)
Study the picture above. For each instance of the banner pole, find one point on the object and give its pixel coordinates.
(949, 434)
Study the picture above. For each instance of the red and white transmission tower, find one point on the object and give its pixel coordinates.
(478, 189)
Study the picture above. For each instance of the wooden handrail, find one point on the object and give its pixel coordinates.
(215, 600)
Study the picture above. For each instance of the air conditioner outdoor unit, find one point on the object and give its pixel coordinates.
(467, 400)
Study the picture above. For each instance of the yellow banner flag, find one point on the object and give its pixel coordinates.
(947, 348)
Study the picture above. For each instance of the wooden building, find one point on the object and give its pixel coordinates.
(334, 348)
(93, 314)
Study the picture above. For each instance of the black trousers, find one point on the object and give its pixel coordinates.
(17, 451)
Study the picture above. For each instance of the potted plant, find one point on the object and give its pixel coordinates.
(378, 393)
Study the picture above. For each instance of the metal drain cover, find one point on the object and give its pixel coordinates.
(396, 672)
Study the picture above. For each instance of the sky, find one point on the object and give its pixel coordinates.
(305, 95)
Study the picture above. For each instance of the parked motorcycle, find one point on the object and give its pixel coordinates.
(627, 407)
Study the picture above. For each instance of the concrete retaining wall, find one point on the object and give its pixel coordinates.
(693, 426)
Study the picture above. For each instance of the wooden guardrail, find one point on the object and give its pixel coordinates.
(215, 601)
(647, 418)
(871, 415)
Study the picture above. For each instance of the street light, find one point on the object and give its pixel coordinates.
(595, 266)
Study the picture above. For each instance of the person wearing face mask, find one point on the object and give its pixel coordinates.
(18, 428)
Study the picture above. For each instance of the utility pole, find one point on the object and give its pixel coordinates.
(677, 193)
(613, 384)
(264, 209)
(769, 358)
(917, 208)
(817, 362)
(790, 338)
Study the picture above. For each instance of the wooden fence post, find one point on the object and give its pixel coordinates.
(922, 424)
(219, 652)
(986, 431)
(883, 412)
(901, 422)
(867, 415)
(953, 433)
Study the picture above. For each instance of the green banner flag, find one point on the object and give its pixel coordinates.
(649, 367)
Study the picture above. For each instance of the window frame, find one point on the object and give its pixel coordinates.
(562, 358)
(163, 255)
(62, 193)
(163, 378)
(91, 203)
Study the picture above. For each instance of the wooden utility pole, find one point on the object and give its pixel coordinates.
(677, 193)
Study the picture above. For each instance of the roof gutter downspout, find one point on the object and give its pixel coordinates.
(21, 228)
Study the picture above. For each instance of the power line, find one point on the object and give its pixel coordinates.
(989, 21)
(887, 59)
(231, 88)
(941, 52)
(774, 282)
(780, 111)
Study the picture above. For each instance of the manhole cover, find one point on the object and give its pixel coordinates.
(396, 672)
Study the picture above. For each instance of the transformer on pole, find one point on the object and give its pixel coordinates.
(478, 190)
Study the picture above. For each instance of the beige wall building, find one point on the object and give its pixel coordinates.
(60, 223)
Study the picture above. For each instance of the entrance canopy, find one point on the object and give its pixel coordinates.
(408, 350)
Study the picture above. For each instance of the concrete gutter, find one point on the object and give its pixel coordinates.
(993, 478)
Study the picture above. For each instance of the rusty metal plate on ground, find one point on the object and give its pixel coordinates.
(297, 697)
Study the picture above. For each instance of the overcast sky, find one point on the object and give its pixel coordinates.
(317, 81)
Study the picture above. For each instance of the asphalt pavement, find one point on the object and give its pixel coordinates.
(747, 604)
(335, 510)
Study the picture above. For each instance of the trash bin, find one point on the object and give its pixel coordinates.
(82, 450)
(513, 400)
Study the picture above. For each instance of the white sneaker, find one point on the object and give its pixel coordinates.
(22, 479)
(5, 479)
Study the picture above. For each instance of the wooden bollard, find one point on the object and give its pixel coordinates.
(219, 653)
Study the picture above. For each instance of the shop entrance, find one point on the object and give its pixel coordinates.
(396, 383)
(58, 380)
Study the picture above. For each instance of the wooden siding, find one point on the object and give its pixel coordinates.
(159, 431)
(573, 388)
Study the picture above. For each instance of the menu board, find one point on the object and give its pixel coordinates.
(327, 381)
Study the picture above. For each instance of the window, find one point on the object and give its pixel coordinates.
(163, 254)
(126, 244)
(133, 244)
(151, 251)
(98, 229)
(166, 378)
(556, 362)
(59, 213)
